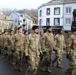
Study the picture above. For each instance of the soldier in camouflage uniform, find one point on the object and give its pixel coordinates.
(0, 41)
(48, 45)
(71, 51)
(60, 44)
(19, 49)
(11, 46)
(5, 40)
(32, 50)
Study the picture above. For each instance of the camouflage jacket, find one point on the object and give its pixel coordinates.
(19, 41)
(60, 42)
(48, 41)
(32, 45)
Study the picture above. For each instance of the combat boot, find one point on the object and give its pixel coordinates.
(15, 67)
(60, 67)
(42, 68)
(53, 63)
(27, 73)
(20, 68)
(66, 73)
(48, 70)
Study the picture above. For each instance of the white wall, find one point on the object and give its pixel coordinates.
(73, 6)
(51, 16)
(62, 15)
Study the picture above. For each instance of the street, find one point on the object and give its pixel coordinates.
(7, 69)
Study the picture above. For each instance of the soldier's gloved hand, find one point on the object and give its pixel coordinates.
(13, 51)
(68, 56)
(27, 57)
(6, 48)
(44, 53)
(41, 55)
(55, 50)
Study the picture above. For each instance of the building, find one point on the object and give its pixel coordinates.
(21, 19)
(5, 22)
(57, 13)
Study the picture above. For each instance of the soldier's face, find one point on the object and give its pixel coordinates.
(26, 33)
(36, 31)
(20, 30)
(74, 32)
(12, 32)
(61, 32)
(50, 30)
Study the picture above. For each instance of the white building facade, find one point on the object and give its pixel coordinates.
(56, 14)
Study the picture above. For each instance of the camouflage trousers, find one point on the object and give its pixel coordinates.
(18, 58)
(33, 64)
(47, 59)
(58, 58)
(72, 66)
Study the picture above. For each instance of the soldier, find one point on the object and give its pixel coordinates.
(11, 46)
(71, 51)
(19, 49)
(5, 38)
(48, 45)
(0, 41)
(32, 50)
(60, 44)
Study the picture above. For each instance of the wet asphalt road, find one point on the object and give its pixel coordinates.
(7, 69)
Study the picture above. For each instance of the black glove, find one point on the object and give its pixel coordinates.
(41, 56)
(27, 58)
(13, 51)
(44, 53)
(68, 56)
(55, 50)
(6, 48)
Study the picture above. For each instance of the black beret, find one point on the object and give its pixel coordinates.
(75, 29)
(48, 27)
(19, 27)
(59, 30)
(34, 27)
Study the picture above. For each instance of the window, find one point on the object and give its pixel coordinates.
(57, 11)
(40, 22)
(48, 11)
(57, 21)
(68, 10)
(15, 21)
(40, 13)
(68, 21)
(47, 21)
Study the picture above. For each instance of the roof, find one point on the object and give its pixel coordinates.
(57, 2)
(33, 17)
(26, 16)
(2, 16)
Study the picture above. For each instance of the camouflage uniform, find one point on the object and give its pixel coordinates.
(10, 47)
(48, 44)
(60, 44)
(0, 43)
(71, 45)
(19, 49)
(32, 49)
(5, 39)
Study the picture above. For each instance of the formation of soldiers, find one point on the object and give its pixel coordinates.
(38, 49)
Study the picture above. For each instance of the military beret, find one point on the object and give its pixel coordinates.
(48, 27)
(19, 27)
(59, 30)
(75, 29)
(34, 27)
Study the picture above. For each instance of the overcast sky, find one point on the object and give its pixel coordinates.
(21, 4)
